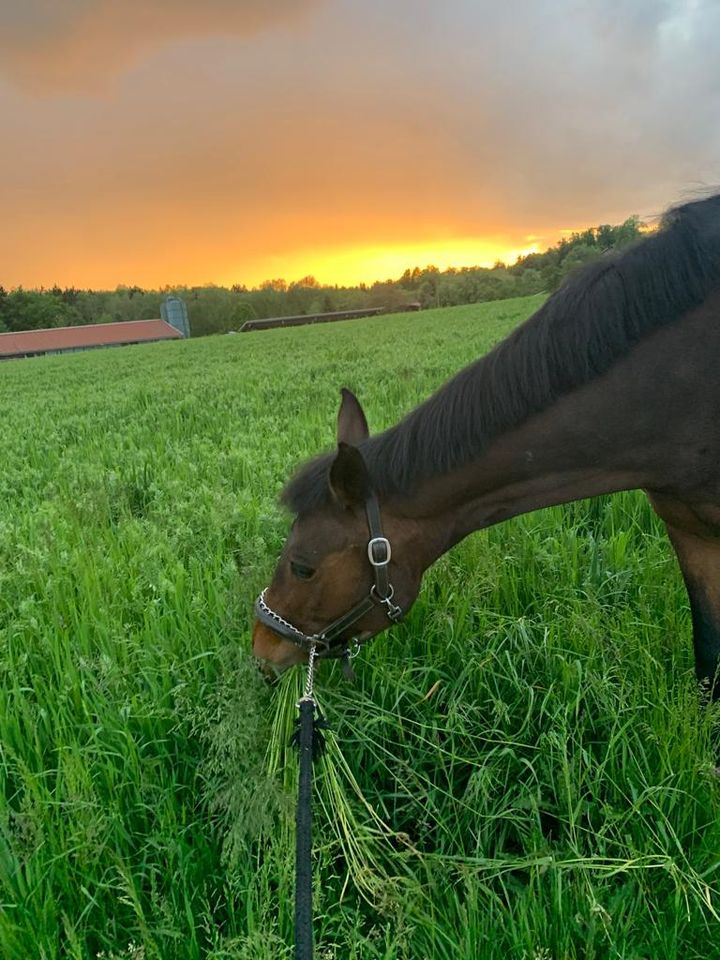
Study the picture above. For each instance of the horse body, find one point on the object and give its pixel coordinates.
(651, 422)
(572, 405)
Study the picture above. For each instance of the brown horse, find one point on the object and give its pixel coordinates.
(613, 384)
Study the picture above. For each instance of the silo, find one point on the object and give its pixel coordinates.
(174, 312)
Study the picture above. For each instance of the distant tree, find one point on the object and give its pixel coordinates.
(309, 281)
(411, 279)
(303, 296)
(387, 294)
(70, 295)
(241, 312)
(427, 293)
(268, 302)
(212, 310)
(609, 237)
(328, 303)
(36, 310)
(530, 281)
(605, 235)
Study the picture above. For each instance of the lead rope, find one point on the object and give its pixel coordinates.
(310, 742)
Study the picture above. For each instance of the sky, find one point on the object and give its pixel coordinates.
(159, 143)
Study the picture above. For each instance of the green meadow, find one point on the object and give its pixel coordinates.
(522, 770)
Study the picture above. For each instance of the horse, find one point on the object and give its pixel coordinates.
(611, 385)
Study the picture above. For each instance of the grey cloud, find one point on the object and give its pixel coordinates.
(377, 123)
(51, 47)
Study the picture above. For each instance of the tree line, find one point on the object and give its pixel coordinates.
(214, 309)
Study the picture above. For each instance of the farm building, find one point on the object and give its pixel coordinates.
(34, 343)
(269, 323)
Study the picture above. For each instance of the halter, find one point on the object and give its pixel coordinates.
(381, 594)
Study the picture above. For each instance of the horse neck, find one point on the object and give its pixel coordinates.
(629, 428)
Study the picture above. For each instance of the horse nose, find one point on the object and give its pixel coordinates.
(274, 654)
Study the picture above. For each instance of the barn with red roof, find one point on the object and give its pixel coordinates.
(34, 343)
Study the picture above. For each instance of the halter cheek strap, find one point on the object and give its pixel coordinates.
(381, 593)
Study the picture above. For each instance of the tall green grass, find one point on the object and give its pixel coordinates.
(522, 770)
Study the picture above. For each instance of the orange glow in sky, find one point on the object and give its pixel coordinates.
(238, 142)
(367, 263)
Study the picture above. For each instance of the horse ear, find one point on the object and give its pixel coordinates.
(349, 478)
(352, 426)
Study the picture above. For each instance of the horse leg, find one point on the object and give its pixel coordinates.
(695, 535)
(700, 564)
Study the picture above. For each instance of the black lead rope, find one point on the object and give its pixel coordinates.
(303, 834)
(310, 743)
(330, 642)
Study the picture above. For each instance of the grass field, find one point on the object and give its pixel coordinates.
(522, 770)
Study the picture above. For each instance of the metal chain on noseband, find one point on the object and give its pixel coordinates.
(310, 676)
(263, 607)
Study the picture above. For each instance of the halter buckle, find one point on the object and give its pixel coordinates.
(381, 542)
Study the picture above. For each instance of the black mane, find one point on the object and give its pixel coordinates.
(595, 318)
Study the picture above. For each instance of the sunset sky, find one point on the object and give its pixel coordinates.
(159, 142)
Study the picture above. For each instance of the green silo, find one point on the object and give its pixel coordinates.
(174, 312)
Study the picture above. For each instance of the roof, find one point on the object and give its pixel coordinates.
(88, 335)
(303, 318)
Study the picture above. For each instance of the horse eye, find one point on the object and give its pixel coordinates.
(301, 571)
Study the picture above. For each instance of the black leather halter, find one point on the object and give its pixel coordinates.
(381, 594)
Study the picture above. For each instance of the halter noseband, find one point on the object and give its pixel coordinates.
(381, 594)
